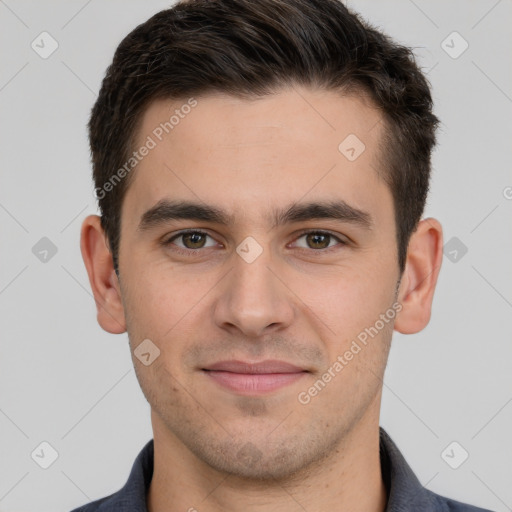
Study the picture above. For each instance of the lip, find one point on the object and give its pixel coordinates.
(254, 378)
(267, 366)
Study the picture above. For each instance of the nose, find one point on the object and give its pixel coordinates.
(252, 299)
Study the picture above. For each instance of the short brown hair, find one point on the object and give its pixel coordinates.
(249, 48)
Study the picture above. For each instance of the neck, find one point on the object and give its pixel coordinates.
(348, 479)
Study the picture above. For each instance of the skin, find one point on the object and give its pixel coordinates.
(217, 450)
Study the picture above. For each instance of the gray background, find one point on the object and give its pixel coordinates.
(65, 381)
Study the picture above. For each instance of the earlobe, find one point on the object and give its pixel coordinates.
(102, 277)
(416, 292)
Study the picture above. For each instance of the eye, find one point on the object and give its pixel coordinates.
(190, 241)
(320, 241)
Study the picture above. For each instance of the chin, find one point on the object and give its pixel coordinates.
(261, 461)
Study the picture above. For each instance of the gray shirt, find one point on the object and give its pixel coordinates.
(405, 493)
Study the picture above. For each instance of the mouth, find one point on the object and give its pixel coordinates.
(254, 378)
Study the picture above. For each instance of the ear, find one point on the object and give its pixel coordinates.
(423, 263)
(102, 277)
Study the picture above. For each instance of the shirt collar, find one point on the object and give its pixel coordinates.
(403, 488)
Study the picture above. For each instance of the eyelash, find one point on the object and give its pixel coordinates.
(190, 252)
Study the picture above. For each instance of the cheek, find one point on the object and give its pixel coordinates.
(161, 301)
(348, 299)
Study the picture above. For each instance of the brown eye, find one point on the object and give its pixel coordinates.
(193, 240)
(189, 241)
(318, 240)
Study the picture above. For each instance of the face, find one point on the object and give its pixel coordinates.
(254, 273)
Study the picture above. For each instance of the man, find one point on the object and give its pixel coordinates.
(262, 169)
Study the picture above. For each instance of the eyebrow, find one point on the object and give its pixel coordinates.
(167, 210)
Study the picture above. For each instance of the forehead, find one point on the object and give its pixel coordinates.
(247, 155)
